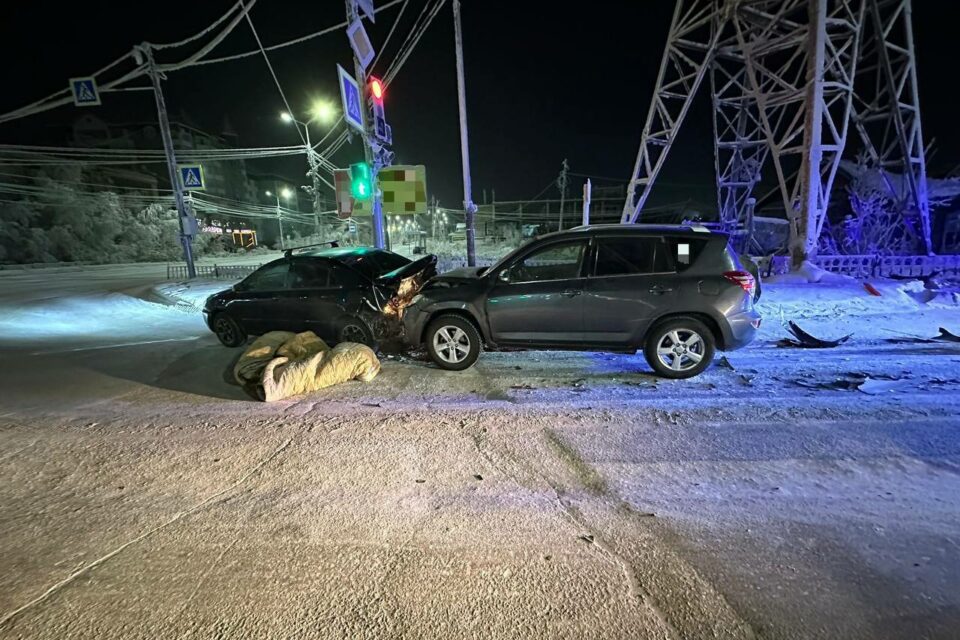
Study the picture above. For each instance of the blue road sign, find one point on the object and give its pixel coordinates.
(85, 92)
(352, 99)
(191, 176)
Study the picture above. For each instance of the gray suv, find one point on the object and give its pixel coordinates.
(678, 293)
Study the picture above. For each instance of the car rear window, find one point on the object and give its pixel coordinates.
(631, 256)
(374, 263)
(685, 251)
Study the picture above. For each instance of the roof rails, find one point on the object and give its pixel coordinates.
(333, 244)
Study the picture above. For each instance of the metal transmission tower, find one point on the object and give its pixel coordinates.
(782, 76)
(887, 111)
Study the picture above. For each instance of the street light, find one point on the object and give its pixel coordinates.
(286, 193)
(322, 111)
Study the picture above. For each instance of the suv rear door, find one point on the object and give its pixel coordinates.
(537, 299)
(632, 280)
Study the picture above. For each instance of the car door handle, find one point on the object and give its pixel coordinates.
(570, 293)
(657, 289)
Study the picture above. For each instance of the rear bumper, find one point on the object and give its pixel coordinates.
(741, 329)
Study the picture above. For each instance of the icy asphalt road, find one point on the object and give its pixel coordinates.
(536, 495)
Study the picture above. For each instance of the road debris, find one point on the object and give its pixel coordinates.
(806, 341)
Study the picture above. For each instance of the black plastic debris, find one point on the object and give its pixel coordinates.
(872, 384)
(948, 336)
(945, 336)
(806, 341)
(724, 363)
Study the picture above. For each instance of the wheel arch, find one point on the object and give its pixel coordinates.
(708, 320)
(457, 311)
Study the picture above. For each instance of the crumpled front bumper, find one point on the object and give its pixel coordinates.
(414, 324)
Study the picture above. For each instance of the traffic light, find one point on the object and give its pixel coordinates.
(361, 181)
(376, 90)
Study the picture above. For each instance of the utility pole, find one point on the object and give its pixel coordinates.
(469, 208)
(379, 239)
(314, 178)
(562, 183)
(183, 214)
(587, 194)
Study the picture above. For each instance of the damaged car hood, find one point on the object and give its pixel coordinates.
(427, 263)
(463, 274)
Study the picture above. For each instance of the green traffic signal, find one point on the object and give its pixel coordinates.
(361, 180)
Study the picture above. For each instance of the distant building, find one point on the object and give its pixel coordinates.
(226, 179)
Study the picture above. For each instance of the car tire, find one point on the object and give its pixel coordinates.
(228, 330)
(672, 348)
(453, 342)
(356, 330)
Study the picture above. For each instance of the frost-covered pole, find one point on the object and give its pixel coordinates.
(587, 192)
(182, 212)
(468, 207)
(813, 202)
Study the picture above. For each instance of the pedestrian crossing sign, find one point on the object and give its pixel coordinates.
(85, 92)
(191, 175)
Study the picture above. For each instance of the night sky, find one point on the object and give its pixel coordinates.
(544, 83)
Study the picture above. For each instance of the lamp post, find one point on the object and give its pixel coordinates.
(323, 112)
(286, 194)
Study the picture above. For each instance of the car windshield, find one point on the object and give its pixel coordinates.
(374, 263)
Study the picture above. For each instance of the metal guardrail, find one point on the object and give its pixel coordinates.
(231, 272)
(874, 266)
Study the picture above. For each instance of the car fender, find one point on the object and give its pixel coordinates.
(462, 307)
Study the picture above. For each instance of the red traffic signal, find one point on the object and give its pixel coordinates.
(376, 89)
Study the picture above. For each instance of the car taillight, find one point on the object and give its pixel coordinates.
(741, 278)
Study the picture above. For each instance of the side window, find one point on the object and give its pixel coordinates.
(555, 262)
(685, 251)
(270, 277)
(631, 256)
(342, 277)
(309, 274)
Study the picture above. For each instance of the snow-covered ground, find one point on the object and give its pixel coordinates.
(534, 495)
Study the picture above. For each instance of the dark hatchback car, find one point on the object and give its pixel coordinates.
(333, 292)
(677, 293)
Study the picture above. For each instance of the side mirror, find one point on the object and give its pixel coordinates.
(504, 275)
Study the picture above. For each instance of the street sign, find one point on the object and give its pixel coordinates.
(380, 127)
(366, 8)
(403, 188)
(360, 43)
(191, 177)
(352, 99)
(85, 92)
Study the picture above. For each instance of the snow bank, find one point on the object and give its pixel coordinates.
(99, 317)
(809, 273)
(835, 307)
(192, 295)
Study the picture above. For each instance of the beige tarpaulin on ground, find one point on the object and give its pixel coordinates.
(281, 364)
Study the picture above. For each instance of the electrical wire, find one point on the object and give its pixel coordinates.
(210, 46)
(281, 45)
(383, 47)
(197, 36)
